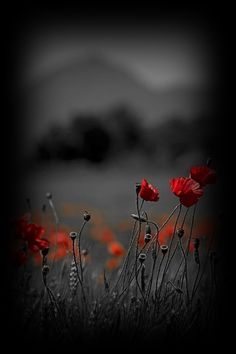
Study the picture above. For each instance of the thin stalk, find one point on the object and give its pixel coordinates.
(185, 269)
(79, 247)
(51, 204)
(126, 261)
(195, 281)
(153, 266)
(77, 271)
(157, 300)
(171, 243)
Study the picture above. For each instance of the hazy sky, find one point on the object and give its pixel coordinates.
(161, 57)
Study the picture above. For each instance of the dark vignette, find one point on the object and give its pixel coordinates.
(216, 24)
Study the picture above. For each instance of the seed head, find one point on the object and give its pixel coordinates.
(180, 233)
(87, 216)
(142, 257)
(45, 251)
(73, 235)
(164, 249)
(147, 238)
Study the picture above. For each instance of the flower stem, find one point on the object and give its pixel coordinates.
(79, 247)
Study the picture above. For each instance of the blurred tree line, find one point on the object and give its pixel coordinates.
(100, 137)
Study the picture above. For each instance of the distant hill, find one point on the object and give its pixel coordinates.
(94, 84)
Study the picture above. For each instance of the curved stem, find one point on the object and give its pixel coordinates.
(191, 230)
(153, 267)
(157, 301)
(185, 269)
(195, 281)
(203, 272)
(138, 237)
(170, 216)
(171, 242)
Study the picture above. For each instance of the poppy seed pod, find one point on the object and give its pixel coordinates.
(147, 238)
(141, 219)
(45, 251)
(87, 216)
(49, 195)
(148, 229)
(180, 233)
(164, 249)
(73, 235)
(142, 257)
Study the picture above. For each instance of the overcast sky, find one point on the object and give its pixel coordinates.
(160, 56)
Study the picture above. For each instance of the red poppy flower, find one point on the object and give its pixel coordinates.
(29, 232)
(37, 244)
(116, 249)
(203, 175)
(112, 263)
(148, 192)
(188, 190)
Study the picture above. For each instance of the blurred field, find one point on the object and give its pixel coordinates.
(109, 188)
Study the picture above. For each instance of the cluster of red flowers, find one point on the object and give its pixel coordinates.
(31, 236)
(188, 189)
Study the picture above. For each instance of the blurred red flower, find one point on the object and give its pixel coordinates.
(203, 175)
(31, 232)
(60, 244)
(148, 192)
(116, 249)
(188, 190)
(37, 244)
(165, 234)
(112, 263)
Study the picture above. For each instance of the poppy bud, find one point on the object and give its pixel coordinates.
(73, 235)
(180, 233)
(141, 219)
(45, 270)
(148, 229)
(164, 249)
(87, 216)
(49, 195)
(147, 238)
(142, 257)
(45, 251)
(84, 252)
